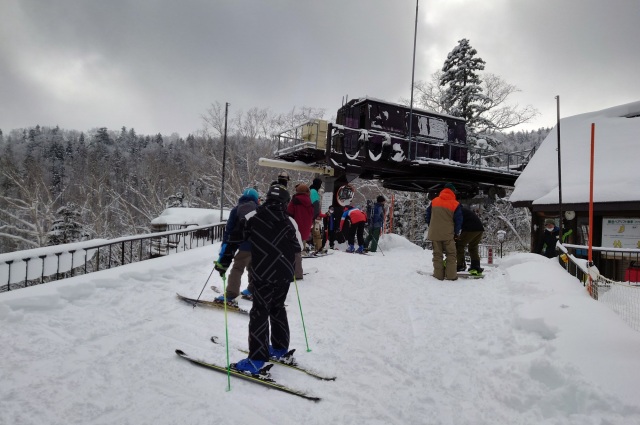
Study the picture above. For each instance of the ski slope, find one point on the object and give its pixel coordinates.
(524, 345)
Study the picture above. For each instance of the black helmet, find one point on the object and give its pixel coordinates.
(381, 199)
(278, 193)
(283, 175)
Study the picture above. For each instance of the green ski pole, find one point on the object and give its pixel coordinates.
(301, 315)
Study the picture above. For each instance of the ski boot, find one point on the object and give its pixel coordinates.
(230, 301)
(350, 249)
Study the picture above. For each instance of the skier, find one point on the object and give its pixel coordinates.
(444, 217)
(376, 222)
(274, 241)
(357, 219)
(232, 242)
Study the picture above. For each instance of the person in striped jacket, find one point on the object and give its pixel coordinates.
(444, 218)
(357, 220)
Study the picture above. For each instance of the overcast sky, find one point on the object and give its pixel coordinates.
(157, 65)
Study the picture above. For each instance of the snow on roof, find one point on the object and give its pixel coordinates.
(617, 157)
(199, 216)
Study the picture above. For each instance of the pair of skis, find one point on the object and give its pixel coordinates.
(261, 379)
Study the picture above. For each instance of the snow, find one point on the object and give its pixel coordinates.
(524, 345)
(198, 216)
(616, 142)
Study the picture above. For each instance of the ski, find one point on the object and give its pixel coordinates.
(257, 379)
(317, 255)
(195, 302)
(295, 366)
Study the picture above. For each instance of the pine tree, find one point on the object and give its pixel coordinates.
(463, 95)
(66, 228)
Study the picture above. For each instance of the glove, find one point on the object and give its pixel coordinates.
(456, 237)
(220, 268)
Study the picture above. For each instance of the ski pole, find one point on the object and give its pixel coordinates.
(301, 315)
(205, 285)
(379, 247)
(226, 330)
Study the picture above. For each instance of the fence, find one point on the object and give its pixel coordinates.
(23, 269)
(614, 280)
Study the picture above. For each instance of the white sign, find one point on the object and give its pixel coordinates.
(620, 232)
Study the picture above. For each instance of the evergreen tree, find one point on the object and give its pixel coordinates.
(66, 228)
(463, 95)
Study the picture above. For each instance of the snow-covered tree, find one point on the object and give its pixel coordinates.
(66, 228)
(460, 77)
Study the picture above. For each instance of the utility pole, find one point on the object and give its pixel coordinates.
(560, 172)
(413, 71)
(224, 157)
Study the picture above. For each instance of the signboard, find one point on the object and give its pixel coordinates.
(620, 232)
(327, 200)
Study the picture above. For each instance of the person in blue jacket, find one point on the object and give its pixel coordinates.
(376, 223)
(238, 251)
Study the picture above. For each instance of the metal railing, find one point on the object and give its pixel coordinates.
(61, 262)
(616, 282)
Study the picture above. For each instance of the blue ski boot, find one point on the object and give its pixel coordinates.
(248, 366)
(360, 250)
(350, 249)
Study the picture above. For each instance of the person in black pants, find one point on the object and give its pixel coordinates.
(471, 236)
(274, 241)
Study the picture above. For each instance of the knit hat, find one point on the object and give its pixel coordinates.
(251, 193)
(549, 221)
(450, 186)
(278, 193)
(381, 199)
(302, 188)
(317, 182)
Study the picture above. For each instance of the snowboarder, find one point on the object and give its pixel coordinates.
(376, 222)
(444, 218)
(471, 235)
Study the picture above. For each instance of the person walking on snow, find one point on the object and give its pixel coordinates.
(444, 218)
(235, 249)
(471, 235)
(357, 219)
(376, 224)
(274, 241)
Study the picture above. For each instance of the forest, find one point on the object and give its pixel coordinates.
(64, 185)
(105, 184)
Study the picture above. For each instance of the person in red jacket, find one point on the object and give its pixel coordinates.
(301, 209)
(358, 219)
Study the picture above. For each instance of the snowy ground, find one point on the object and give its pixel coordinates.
(525, 345)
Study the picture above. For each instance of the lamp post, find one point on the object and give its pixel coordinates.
(502, 234)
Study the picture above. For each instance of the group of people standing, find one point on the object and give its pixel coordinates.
(267, 240)
(452, 228)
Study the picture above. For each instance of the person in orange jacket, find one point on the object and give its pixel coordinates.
(357, 219)
(444, 218)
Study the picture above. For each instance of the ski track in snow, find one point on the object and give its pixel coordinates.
(406, 348)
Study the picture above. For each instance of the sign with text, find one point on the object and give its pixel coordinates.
(620, 232)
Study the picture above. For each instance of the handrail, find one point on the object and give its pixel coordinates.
(22, 269)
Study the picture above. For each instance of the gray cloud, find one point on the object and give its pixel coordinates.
(157, 65)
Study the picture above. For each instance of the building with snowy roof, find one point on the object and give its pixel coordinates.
(616, 179)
